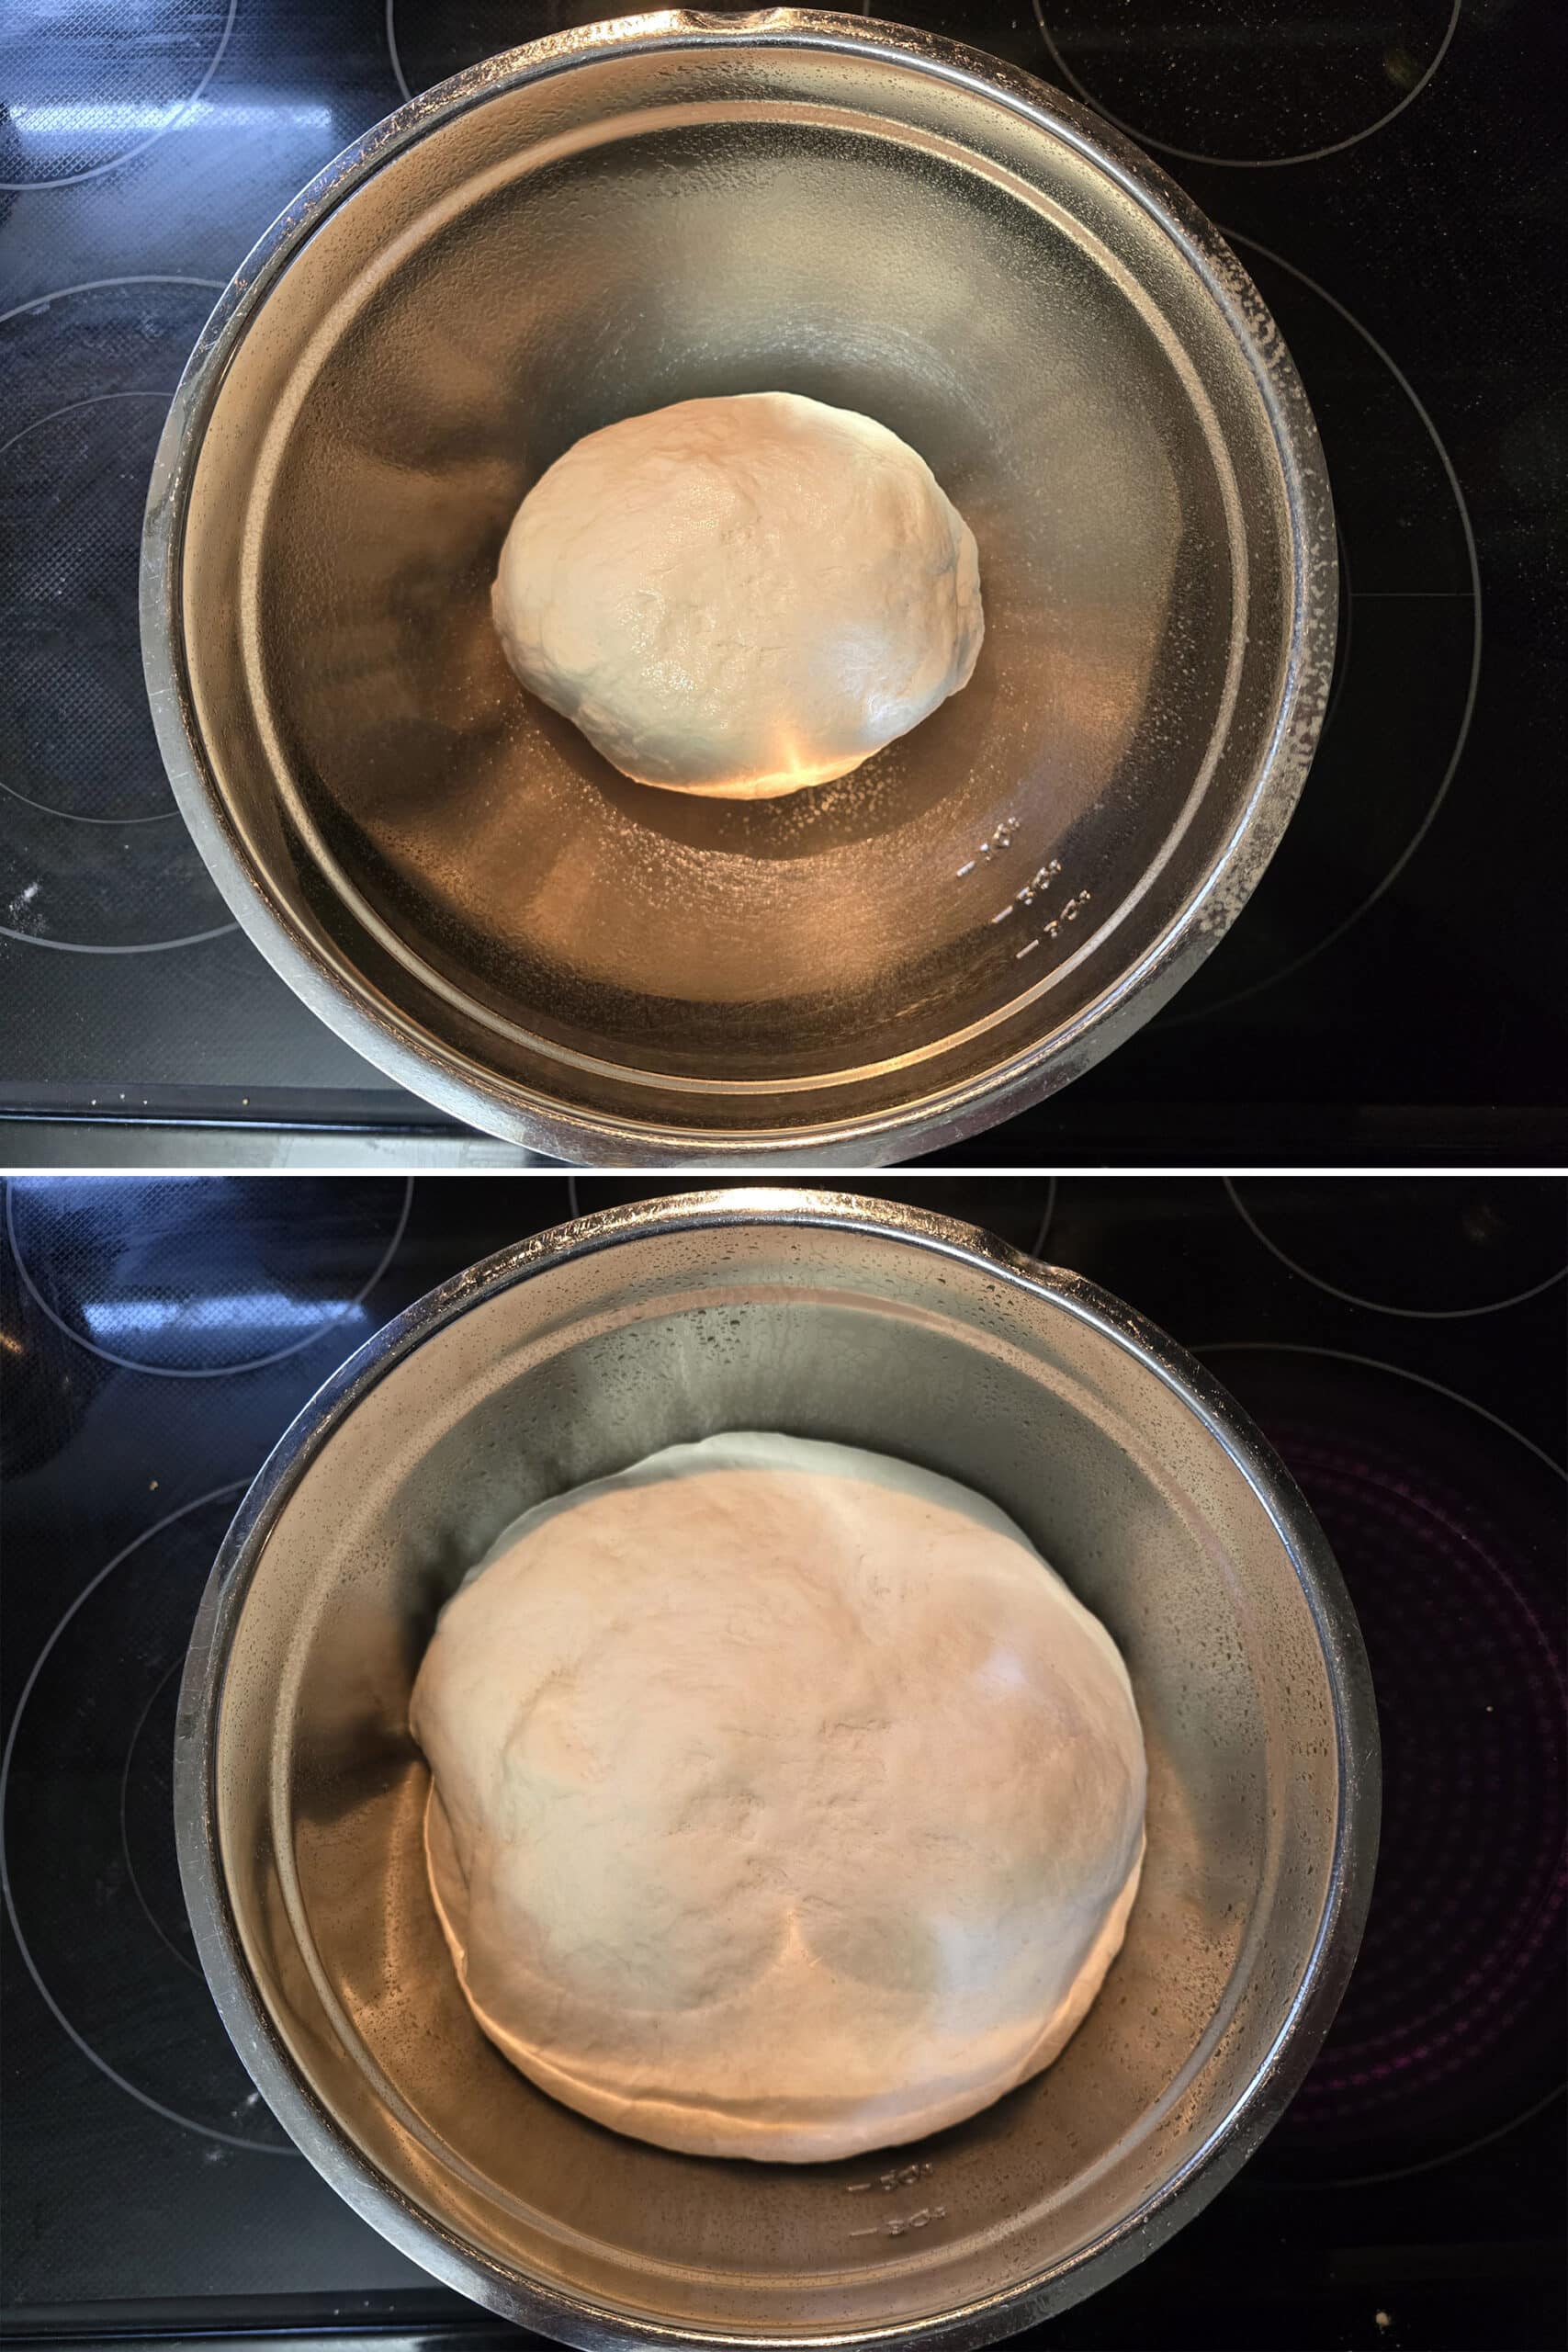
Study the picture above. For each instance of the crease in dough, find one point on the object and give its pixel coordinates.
(785, 1803)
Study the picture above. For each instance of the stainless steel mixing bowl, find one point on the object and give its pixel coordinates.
(299, 1794)
(681, 204)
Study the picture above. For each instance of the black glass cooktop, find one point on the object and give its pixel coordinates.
(1396, 178)
(1403, 1346)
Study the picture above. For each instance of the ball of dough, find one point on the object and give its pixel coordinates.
(740, 596)
(785, 1804)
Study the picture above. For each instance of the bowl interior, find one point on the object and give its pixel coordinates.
(944, 1359)
(637, 231)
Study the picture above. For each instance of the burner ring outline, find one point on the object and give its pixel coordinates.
(182, 108)
(1379, 1305)
(1178, 1019)
(1240, 163)
(206, 1371)
(233, 1489)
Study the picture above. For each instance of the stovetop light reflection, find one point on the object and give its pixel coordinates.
(268, 1310)
(72, 117)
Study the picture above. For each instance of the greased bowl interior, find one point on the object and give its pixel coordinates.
(299, 1792)
(636, 214)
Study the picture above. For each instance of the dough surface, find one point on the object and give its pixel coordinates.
(740, 596)
(785, 1804)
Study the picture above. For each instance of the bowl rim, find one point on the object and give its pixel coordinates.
(955, 1110)
(579, 2319)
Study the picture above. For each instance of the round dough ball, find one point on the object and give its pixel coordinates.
(786, 1803)
(740, 596)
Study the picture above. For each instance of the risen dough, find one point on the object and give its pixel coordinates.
(785, 1803)
(740, 596)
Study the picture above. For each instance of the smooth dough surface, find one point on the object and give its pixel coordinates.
(740, 596)
(785, 1803)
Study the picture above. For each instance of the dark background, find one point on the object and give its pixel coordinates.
(1402, 1344)
(1395, 176)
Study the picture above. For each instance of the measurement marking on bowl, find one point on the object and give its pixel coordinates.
(903, 2177)
(1039, 882)
(1051, 930)
(896, 2223)
(1002, 837)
